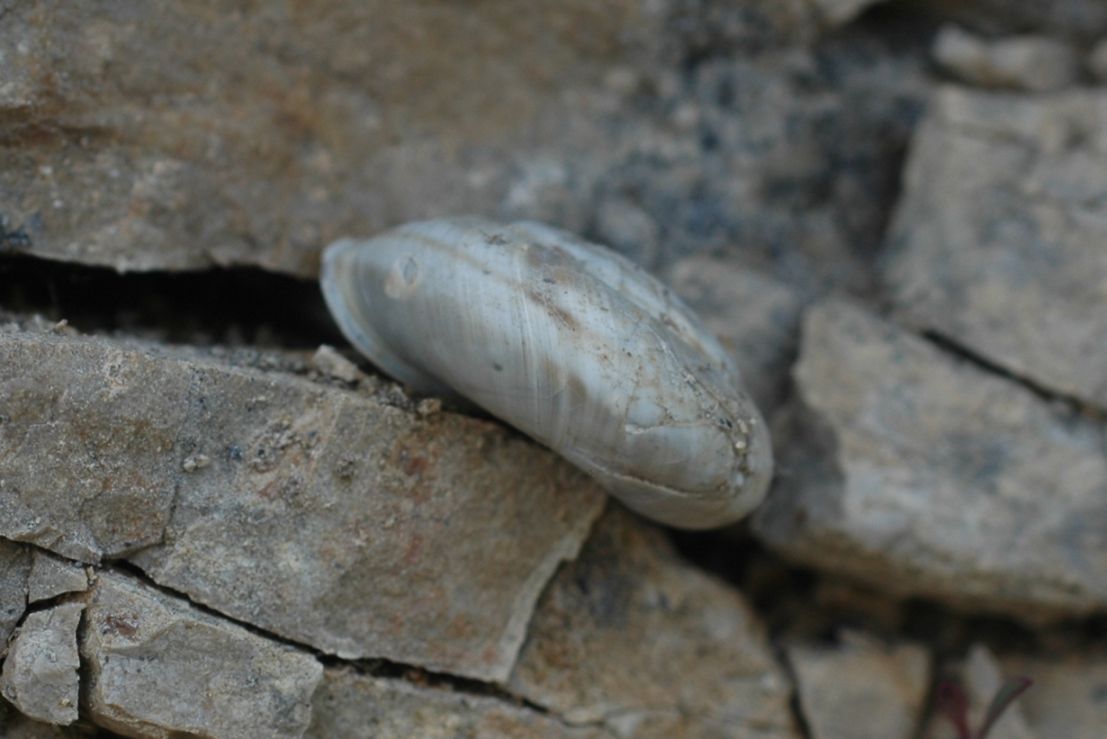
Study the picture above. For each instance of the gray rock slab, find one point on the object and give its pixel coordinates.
(631, 638)
(1033, 63)
(40, 673)
(275, 132)
(88, 444)
(756, 317)
(922, 474)
(997, 242)
(157, 667)
(861, 688)
(1066, 700)
(15, 569)
(351, 706)
(328, 516)
(52, 576)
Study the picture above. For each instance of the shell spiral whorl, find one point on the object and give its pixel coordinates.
(568, 342)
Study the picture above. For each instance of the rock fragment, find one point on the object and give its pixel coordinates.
(756, 317)
(1066, 700)
(52, 576)
(324, 515)
(88, 449)
(997, 243)
(1033, 63)
(909, 469)
(15, 569)
(332, 364)
(350, 706)
(157, 667)
(860, 688)
(40, 673)
(631, 638)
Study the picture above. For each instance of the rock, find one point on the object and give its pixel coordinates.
(332, 364)
(981, 676)
(1066, 700)
(15, 569)
(52, 576)
(158, 667)
(326, 516)
(276, 131)
(997, 241)
(1034, 63)
(1081, 19)
(907, 468)
(630, 638)
(1097, 61)
(40, 673)
(350, 706)
(756, 317)
(860, 688)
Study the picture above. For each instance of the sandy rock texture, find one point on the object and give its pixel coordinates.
(322, 514)
(910, 468)
(40, 673)
(1014, 270)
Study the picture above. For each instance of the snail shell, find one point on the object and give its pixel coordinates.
(568, 342)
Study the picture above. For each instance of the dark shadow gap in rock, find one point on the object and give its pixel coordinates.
(238, 306)
(1075, 405)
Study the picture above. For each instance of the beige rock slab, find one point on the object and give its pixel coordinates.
(40, 673)
(324, 515)
(860, 688)
(997, 242)
(921, 474)
(157, 667)
(631, 638)
(52, 576)
(350, 706)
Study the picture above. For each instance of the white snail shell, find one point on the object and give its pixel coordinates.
(568, 342)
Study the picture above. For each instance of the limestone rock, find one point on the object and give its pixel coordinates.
(631, 638)
(1066, 700)
(909, 469)
(52, 576)
(276, 130)
(756, 318)
(324, 515)
(861, 689)
(350, 706)
(40, 673)
(157, 667)
(1034, 63)
(15, 568)
(997, 243)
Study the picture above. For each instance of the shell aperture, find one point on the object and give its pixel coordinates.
(568, 342)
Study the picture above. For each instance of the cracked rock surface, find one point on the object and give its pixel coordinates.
(584, 660)
(217, 521)
(159, 668)
(910, 468)
(321, 514)
(40, 673)
(1015, 269)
